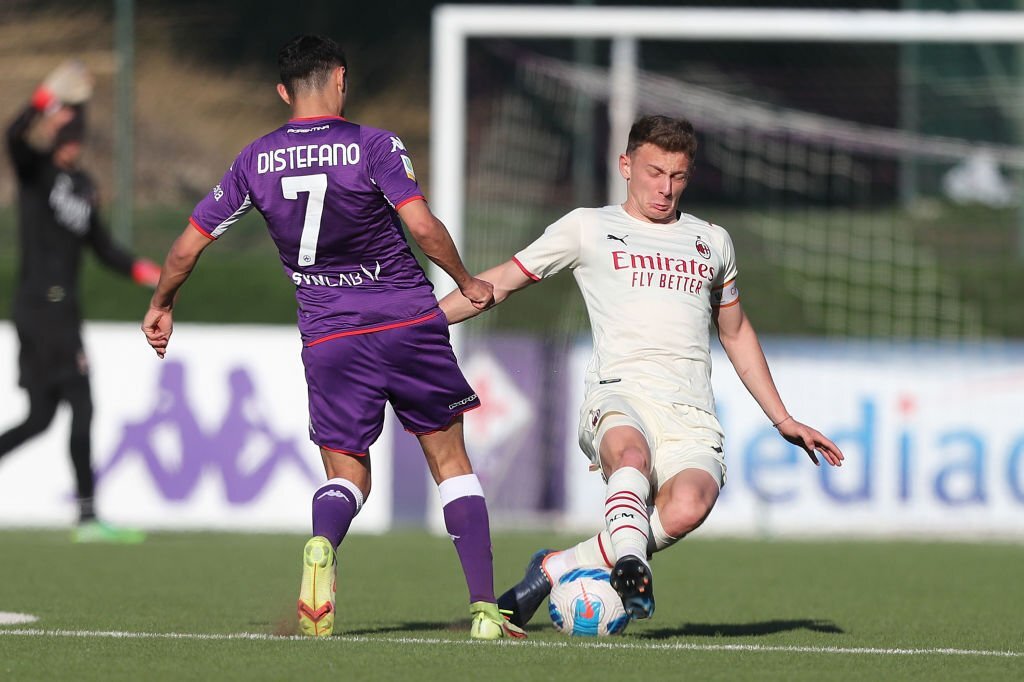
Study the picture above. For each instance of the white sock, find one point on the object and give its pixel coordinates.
(595, 551)
(625, 512)
(466, 485)
(659, 538)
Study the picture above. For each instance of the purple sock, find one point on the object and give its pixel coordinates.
(465, 517)
(335, 504)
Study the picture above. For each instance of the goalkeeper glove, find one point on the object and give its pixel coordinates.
(145, 272)
(68, 84)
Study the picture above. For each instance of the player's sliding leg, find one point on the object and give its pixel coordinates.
(623, 448)
(598, 550)
(625, 515)
(547, 566)
(522, 600)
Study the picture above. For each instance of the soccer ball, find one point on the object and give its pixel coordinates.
(583, 603)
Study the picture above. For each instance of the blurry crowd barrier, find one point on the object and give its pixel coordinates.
(215, 436)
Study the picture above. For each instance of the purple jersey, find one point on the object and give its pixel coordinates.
(329, 190)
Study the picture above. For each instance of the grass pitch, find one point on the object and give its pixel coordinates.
(220, 606)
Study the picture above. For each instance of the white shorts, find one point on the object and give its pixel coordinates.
(679, 436)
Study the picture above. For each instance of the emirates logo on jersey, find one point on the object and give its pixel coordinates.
(703, 249)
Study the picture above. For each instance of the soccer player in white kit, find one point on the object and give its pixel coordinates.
(653, 279)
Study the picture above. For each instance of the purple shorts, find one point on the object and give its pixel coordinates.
(410, 365)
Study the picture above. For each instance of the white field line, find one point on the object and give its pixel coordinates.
(543, 644)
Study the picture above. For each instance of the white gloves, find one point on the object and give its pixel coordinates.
(68, 84)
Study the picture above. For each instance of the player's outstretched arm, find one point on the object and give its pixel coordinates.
(158, 323)
(744, 350)
(505, 278)
(437, 245)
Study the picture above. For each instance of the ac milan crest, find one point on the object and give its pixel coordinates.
(703, 249)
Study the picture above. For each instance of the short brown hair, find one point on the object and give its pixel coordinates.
(664, 132)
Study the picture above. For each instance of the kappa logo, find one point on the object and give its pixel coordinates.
(702, 248)
(618, 239)
(396, 144)
(244, 452)
(333, 493)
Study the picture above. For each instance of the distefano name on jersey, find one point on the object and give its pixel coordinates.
(308, 156)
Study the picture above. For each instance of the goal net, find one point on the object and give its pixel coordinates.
(873, 189)
(867, 167)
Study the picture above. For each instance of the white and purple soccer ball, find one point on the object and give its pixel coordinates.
(583, 603)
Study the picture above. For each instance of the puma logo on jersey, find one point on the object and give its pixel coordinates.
(619, 239)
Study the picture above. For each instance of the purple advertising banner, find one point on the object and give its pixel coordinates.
(515, 438)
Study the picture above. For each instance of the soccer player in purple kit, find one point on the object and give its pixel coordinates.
(332, 193)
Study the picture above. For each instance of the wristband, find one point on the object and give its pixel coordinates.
(776, 424)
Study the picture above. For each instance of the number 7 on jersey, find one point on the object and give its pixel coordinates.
(316, 187)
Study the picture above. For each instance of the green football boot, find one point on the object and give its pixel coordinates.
(488, 623)
(316, 595)
(98, 531)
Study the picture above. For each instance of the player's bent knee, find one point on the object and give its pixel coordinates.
(681, 515)
(634, 458)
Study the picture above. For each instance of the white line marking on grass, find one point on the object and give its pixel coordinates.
(11, 618)
(547, 644)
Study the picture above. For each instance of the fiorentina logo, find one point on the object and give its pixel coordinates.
(703, 249)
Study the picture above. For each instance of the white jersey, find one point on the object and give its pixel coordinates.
(649, 290)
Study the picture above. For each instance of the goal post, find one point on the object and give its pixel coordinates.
(454, 25)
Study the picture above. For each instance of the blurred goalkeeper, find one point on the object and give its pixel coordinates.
(654, 279)
(57, 216)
